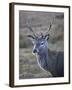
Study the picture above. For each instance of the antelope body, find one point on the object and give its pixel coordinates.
(48, 60)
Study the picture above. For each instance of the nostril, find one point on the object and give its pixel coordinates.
(34, 51)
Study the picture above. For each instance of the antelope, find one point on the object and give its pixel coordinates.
(52, 61)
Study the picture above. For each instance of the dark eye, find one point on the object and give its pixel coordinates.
(42, 43)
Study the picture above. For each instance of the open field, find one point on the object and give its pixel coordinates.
(29, 67)
(39, 21)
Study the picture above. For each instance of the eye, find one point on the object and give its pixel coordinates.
(42, 43)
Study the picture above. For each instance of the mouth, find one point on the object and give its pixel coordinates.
(36, 53)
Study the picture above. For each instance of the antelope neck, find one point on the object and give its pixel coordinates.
(43, 60)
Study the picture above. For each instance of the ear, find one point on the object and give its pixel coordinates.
(30, 36)
(47, 37)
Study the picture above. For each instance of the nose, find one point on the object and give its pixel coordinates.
(34, 50)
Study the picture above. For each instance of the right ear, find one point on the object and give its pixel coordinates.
(31, 38)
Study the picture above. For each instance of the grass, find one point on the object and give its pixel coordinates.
(28, 67)
(39, 21)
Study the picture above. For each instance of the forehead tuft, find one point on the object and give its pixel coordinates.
(39, 39)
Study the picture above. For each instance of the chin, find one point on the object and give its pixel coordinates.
(33, 53)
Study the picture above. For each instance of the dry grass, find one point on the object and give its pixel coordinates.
(28, 67)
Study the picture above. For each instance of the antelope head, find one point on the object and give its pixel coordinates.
(40, 42)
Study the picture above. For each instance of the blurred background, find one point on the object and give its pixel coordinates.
(39, 22)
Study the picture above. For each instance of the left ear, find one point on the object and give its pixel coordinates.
(47, 37)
